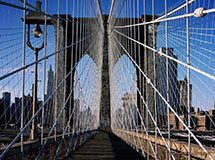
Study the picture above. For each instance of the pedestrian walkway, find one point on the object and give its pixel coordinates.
(105, 146)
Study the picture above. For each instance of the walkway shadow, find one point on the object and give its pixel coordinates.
(122, 150)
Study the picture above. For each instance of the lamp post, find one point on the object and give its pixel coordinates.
(37, 32)
(35, 18)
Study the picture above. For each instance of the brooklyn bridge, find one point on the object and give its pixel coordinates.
(107, 79)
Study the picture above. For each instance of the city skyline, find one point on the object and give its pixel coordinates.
(107, 79)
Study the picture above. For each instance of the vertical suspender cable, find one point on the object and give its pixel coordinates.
(72, 64)
(44, 71)
(154, 69)
(65, 78)
(188, 78)
(167, 80)
(146, 72)
(139, 63)
(23, 77)
(56, 70)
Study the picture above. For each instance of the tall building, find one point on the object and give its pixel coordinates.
(76, 114)
(2, 118)
(15, 112)
(28, 103)
(18, 104)
(130, 117)
(119, 115)
(50, 81)
(49, 104)
(200, 121)
(7, 100)
(183, 95)
(162, 84)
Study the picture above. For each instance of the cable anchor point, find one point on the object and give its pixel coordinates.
(199, 12)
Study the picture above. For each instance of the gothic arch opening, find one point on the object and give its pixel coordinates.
(86, 94)
(124, 94)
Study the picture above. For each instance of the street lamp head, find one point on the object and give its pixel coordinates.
(37, 31)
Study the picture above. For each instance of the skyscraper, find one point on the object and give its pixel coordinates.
(2, 118)
(162, 83)
(7, 100)
(49, 109)
(183, 94)
(50, 81)
(130, 117)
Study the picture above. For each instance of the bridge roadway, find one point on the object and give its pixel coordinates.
(107, 146)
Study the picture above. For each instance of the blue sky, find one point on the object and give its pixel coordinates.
(201, 32)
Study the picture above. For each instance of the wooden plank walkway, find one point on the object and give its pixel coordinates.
(105, 146)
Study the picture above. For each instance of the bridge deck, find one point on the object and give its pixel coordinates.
(105, 146)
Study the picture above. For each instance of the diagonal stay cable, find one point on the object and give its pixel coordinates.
(35, 115)
(56, 120)
(167, 19)
(42, 59)
(168, 147)
(168, 105)
(169, 57)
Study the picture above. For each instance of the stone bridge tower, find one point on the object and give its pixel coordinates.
(105, 93)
